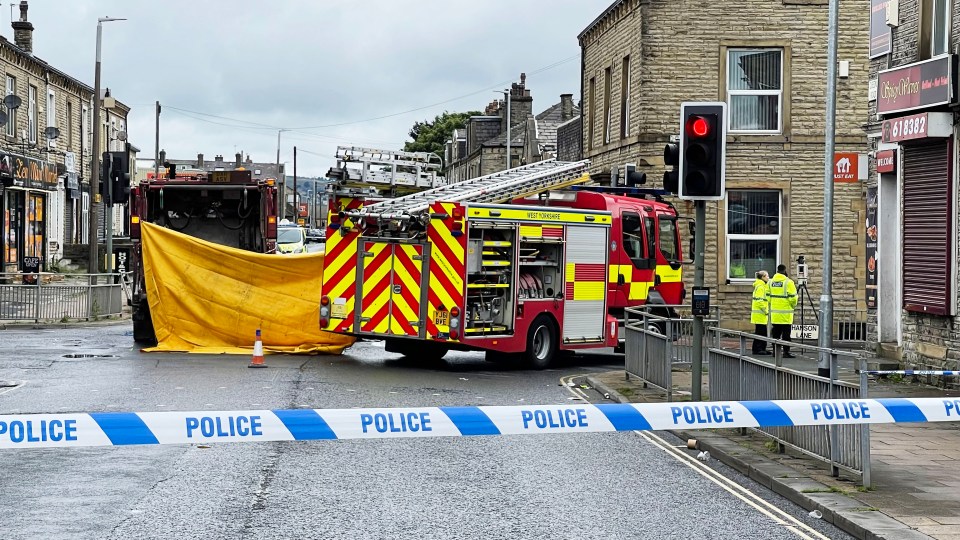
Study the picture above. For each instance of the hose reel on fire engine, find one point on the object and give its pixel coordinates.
(530, 286)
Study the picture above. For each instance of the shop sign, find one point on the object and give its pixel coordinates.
(29, 172)
(871, 233)
(847, 167)
(917, 126)
(917, 86)
(887, 161)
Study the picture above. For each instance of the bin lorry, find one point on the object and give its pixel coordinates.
(226, 207)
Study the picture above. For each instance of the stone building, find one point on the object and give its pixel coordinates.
(46, 154)
(481, 147)
(765, 59)
(912, 195)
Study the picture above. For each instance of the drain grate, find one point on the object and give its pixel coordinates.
(90, 356)
(8, 384)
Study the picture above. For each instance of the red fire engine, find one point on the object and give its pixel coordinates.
(456, 268)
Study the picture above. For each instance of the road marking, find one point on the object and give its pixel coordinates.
(12, 388)
(778, 516)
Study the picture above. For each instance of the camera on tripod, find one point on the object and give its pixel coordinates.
(801, 270)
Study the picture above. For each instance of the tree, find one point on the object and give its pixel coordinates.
(429, 136)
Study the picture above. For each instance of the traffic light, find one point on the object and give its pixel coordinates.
(121, 175)
(671, 158)
(703, 141)
(106, 177)
(632, 177)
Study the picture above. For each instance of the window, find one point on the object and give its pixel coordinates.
(934, 28)
(606, 106)
(625, 99)
(11, 113)
(69, 126)
(753, 233)
(85, 128)
(755, 90)
(51, 115)
(593, 112)
(633, 244)
(669, 239)
(32, 114)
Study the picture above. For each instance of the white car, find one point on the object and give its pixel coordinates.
(291, 240)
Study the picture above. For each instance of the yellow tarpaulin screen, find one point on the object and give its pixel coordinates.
(209, 298)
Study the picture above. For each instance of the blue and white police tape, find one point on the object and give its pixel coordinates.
(940, 373)
(119, 429)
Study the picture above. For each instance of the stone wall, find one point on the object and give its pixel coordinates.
(570, 140)
(668, 66)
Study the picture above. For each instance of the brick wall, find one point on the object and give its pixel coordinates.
(668, 65)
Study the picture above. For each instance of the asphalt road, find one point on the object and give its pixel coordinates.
(607, 485)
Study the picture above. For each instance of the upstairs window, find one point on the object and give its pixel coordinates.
(755, 90)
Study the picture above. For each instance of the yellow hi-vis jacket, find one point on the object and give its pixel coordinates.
(783, 298)
(761, 302)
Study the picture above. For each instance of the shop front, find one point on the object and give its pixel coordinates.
(916, 229)
(28, 186)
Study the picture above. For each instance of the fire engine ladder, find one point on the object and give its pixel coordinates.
(387, 168)
(499, 187)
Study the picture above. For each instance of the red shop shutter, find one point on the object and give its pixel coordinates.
(927, 230)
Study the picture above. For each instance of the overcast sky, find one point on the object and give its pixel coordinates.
(230, 73)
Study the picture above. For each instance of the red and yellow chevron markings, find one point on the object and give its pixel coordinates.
(407, 275)
(339, 272)
(447, 267)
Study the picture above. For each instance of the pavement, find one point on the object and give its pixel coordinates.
(915, 491)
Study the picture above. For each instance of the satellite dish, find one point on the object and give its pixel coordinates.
(12, 101)
(52, 132)
(121, 135)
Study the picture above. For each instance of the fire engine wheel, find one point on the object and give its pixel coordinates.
(542, 342)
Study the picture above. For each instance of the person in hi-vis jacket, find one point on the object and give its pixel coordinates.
(783, 300)
(760, 312)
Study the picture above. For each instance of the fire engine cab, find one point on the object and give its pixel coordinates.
(515, 263)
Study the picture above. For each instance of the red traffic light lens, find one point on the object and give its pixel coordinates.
(698, 126)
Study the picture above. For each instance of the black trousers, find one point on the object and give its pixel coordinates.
(758, 344)
(782, 332)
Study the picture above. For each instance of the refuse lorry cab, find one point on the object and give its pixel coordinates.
(456, 268)
(226, 207)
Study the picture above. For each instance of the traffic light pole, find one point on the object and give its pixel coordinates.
(696, 369)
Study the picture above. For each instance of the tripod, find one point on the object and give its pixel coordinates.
(803, 292)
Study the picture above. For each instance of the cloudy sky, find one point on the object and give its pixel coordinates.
(230, 73)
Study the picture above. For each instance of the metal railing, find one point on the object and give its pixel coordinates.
(61, 297)
(736, 376)
(850, 326)
(655, 344)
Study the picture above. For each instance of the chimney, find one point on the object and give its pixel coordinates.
(566, 107)
(163, 157)
(521, 102)
(493, 109)
(23, 30)
(199, 161)
(218, 158)
(239, 160)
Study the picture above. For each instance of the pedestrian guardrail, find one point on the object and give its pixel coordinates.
(655, 344)
(736, 375)
(45, 296)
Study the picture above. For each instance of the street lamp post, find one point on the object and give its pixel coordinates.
(95, 169)
(506, 97)
(281, 182)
